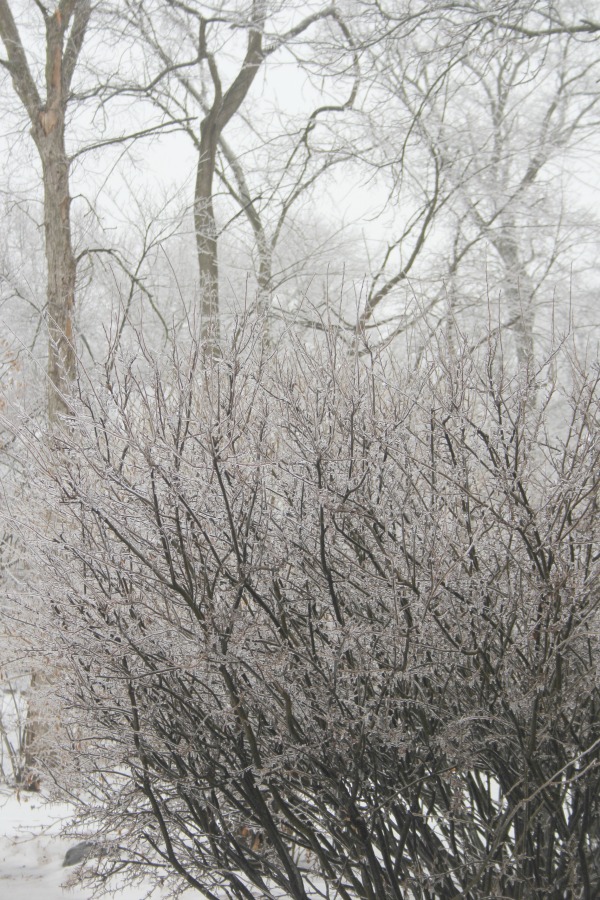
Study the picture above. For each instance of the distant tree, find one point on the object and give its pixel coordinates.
(505, 134)
(200, 69)
(46, 107)
(478, 112)
(330, 627)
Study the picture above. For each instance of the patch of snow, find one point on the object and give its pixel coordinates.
(32, 851)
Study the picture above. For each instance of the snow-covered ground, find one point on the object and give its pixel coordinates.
(32, 848)
(32, 851)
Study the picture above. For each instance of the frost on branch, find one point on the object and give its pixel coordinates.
(331, 627)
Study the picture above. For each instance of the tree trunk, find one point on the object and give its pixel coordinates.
(206, 236)
(61, 270)
(223, 107)
(65, 29)
(518, 292)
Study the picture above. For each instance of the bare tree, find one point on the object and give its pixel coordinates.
(548, 19)
(475, 125)
(532, 104)
(192, 45)
(46, 107)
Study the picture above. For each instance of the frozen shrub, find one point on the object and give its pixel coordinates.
(330, 627)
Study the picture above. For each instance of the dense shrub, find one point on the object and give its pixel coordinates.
(330, 627)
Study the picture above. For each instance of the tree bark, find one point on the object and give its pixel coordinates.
(518, 292)
(65, 32)
(61, 270)
(224, 106)
(206, 234)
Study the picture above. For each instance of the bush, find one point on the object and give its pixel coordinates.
(330, 628)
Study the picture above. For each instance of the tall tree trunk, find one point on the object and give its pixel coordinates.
(66, 28)
(518, 293)
(61, 270)
(224, 105)
(206, 235)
